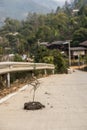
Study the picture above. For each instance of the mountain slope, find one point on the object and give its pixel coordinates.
(79, 3)
(20, 8)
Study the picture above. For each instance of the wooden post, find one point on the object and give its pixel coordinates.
(8, 79)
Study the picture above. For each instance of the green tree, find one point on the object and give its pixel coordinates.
(79, 36)
(39, 53)
(17, 58)
(59, 62)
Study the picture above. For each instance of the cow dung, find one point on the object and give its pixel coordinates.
(33, 106)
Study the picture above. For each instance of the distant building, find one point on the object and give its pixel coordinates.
(24, 57)
(83, 44)
(75, 11)
(14, 34)
(78, 51)
(43, 43)
(75, 52)
(56, 45)
(9, 57)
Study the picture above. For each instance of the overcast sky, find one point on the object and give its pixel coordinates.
(61, 0)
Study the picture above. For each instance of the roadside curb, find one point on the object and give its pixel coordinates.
(4, 99)
(13, 94)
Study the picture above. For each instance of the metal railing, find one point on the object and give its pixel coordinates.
(6, 67)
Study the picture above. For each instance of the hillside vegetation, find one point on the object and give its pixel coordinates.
(22, 37)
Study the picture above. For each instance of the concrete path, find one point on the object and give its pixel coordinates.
(65, 98)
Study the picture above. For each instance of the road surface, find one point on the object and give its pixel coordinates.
(65, 98)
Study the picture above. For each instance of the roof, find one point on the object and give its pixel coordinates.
(55, 43)
(44, 43)
(78, 49)
(83, 43)
(75, 10)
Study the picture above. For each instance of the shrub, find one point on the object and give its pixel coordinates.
(60, 63)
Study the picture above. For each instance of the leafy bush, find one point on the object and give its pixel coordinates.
(18, 58)
(60, 63)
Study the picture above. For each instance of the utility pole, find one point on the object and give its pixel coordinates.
(69, 53)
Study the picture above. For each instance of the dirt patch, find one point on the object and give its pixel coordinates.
(5, 91)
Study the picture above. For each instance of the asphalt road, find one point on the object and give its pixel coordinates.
(65, 98)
